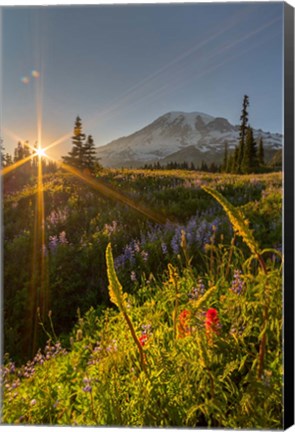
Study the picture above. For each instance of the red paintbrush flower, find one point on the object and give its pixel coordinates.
(211, 322)
(143, 339)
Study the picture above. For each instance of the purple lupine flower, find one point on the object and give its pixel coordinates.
(53, 242)
(57, 216)
(175, 242)
(119, 261)
(201, 286)
(164, 248)
(190, 230)
(129, 254)
(237, 283)
(87, 388)
(197, 291)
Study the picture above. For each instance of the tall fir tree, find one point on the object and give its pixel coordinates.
(249, 162)
(75, 157)
(18, 152)
(243, 131)
(236, 164)
(8, 159)
(90, 159)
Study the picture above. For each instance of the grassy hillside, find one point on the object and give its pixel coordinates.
(179, 326)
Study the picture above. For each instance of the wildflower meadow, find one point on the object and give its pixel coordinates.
(164, 312)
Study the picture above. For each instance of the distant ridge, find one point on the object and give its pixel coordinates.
(180, 137)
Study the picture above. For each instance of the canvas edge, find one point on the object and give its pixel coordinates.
(288, 234)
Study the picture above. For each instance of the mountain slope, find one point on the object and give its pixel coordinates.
(178, 137)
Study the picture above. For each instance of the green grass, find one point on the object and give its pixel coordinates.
(174, 365)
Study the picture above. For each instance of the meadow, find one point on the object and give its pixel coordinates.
(161, 308)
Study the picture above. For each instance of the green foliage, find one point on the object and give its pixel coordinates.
(154, 362)
(240, 225)
(80, 223)
(189, 382)
(115, 288)
(82, 156)
(250, 160)
(245, 158)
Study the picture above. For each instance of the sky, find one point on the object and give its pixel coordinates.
(121, 67)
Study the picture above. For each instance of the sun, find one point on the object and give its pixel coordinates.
(40, 152)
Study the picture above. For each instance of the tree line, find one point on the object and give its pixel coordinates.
(247, 157)
(212, 167)
(82, 155)
(22, 151)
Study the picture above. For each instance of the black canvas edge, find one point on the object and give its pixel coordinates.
(288, 234)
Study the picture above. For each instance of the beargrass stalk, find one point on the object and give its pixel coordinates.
(241, 228)
(119, 298)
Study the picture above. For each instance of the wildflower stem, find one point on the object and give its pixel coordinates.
(211, 382)
(42, 325)
(92, 407)
(135, 338)
(51, 326)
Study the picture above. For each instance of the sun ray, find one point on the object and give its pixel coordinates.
(16, 165)
(58, 141)
(110, 192)
(39, 293)
(17, 138)
(39, 289)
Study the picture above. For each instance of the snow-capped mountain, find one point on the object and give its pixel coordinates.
(178, 137)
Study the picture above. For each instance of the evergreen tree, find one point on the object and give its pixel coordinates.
(235, 164)
(7, 159)
(213, 167)
(260, 152)
(75, 157)
(243, 131)
(204, 166)
(18, 152)
(249, 163)
(21, 151)
(90, 161)
(2, 154)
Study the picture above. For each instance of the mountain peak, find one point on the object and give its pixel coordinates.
(173, 135)
(189, 117)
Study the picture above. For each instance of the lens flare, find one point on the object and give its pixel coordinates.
(25, 80)
(40, 152)
(35, 74)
